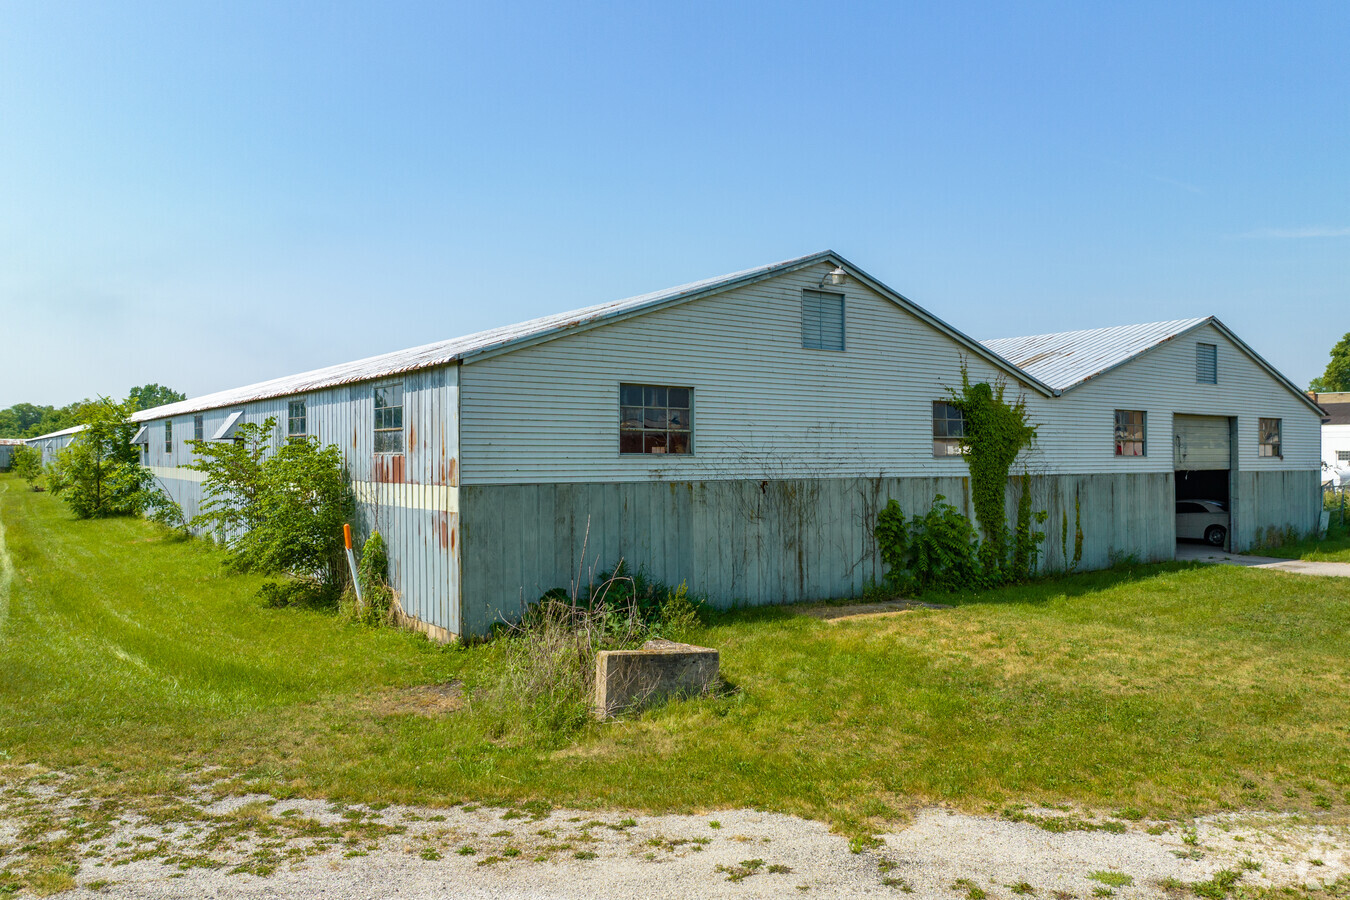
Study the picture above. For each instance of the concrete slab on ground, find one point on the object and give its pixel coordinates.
(1205, 554)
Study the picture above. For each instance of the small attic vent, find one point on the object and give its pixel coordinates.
(822, 320)
(1206, 364)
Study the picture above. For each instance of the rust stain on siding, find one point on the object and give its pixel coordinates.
(389, 469)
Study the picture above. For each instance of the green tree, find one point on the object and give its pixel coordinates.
(100, 473)
(1337, 375)
(27, 464)
(148, 396)
(277, 509)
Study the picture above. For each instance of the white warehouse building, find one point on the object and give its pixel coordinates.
(741, 433)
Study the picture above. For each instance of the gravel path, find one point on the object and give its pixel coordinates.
(309, 848)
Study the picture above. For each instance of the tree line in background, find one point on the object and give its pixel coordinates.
(24, 420)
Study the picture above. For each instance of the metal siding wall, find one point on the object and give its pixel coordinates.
(423, 541)
(764, 407)
(1273, 503)
(760, 542)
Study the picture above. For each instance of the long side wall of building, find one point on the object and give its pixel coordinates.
(411, 498)
(762, 542)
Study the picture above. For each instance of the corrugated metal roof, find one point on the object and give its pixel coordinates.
(60, 433)
(495, 339)
(1068, 358)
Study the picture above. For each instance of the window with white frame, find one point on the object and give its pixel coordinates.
(197, 428)
(949, 427)
(656, 419)
(1206, 364)
(1343, 456)
(389, 418)
(822, 320)
(1268, 431)
(296, 424)
(1131, 432)
(168, 435)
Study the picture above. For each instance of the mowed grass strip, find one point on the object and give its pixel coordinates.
(1168, 689)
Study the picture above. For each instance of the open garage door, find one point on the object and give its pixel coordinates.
(1200, 456)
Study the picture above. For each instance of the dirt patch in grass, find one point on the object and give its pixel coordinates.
(862, 610)
(431, 700)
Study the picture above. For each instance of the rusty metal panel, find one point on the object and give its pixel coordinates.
(401, 496)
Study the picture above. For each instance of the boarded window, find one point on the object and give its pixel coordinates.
(389, 418)
(656, 419)
(196, 428)
(1269, 431)
(949, 426)
(822, 320)
(1206, 364)
(168, 435)
(296, 425)
(1131, 432)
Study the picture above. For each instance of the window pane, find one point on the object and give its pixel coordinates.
(679, 397)
(630, 394)
(388, 442)
(630, 442)
(654, 442)
(679, 442)
(655, 418)
(654, 396)
(679, 418)
(630, 417)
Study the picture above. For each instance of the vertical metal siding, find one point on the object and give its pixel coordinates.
(416, 514)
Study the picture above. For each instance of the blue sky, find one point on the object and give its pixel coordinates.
(206, 195)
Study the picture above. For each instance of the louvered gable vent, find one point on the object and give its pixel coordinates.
(822, 320)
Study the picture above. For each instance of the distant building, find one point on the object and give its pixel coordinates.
(741, 433)
(1335, 429)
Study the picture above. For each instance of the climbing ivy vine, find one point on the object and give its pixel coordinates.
(996, 430)
(940, 549)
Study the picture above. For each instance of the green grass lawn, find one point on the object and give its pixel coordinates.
(1333, 547)
(132, 658)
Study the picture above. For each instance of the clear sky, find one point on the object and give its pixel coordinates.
(210, 194)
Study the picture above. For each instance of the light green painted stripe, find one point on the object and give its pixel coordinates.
(437, 497)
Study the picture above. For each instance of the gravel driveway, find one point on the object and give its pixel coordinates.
(257, 847)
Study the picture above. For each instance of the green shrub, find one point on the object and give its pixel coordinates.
(27, 464)
(935, 550)
(277, 510)
(100, 473)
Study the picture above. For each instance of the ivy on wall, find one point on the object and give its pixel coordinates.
(940, 548)
(996, 431)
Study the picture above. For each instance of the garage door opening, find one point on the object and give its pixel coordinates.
(1201, 460)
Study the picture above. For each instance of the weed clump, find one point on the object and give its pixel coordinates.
(547, 675)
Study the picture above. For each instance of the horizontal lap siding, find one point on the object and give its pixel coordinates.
(1075, 431)
(764, 407)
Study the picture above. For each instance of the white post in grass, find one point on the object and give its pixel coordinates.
(351, 561)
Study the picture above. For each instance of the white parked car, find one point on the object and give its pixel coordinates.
(1202, 520)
